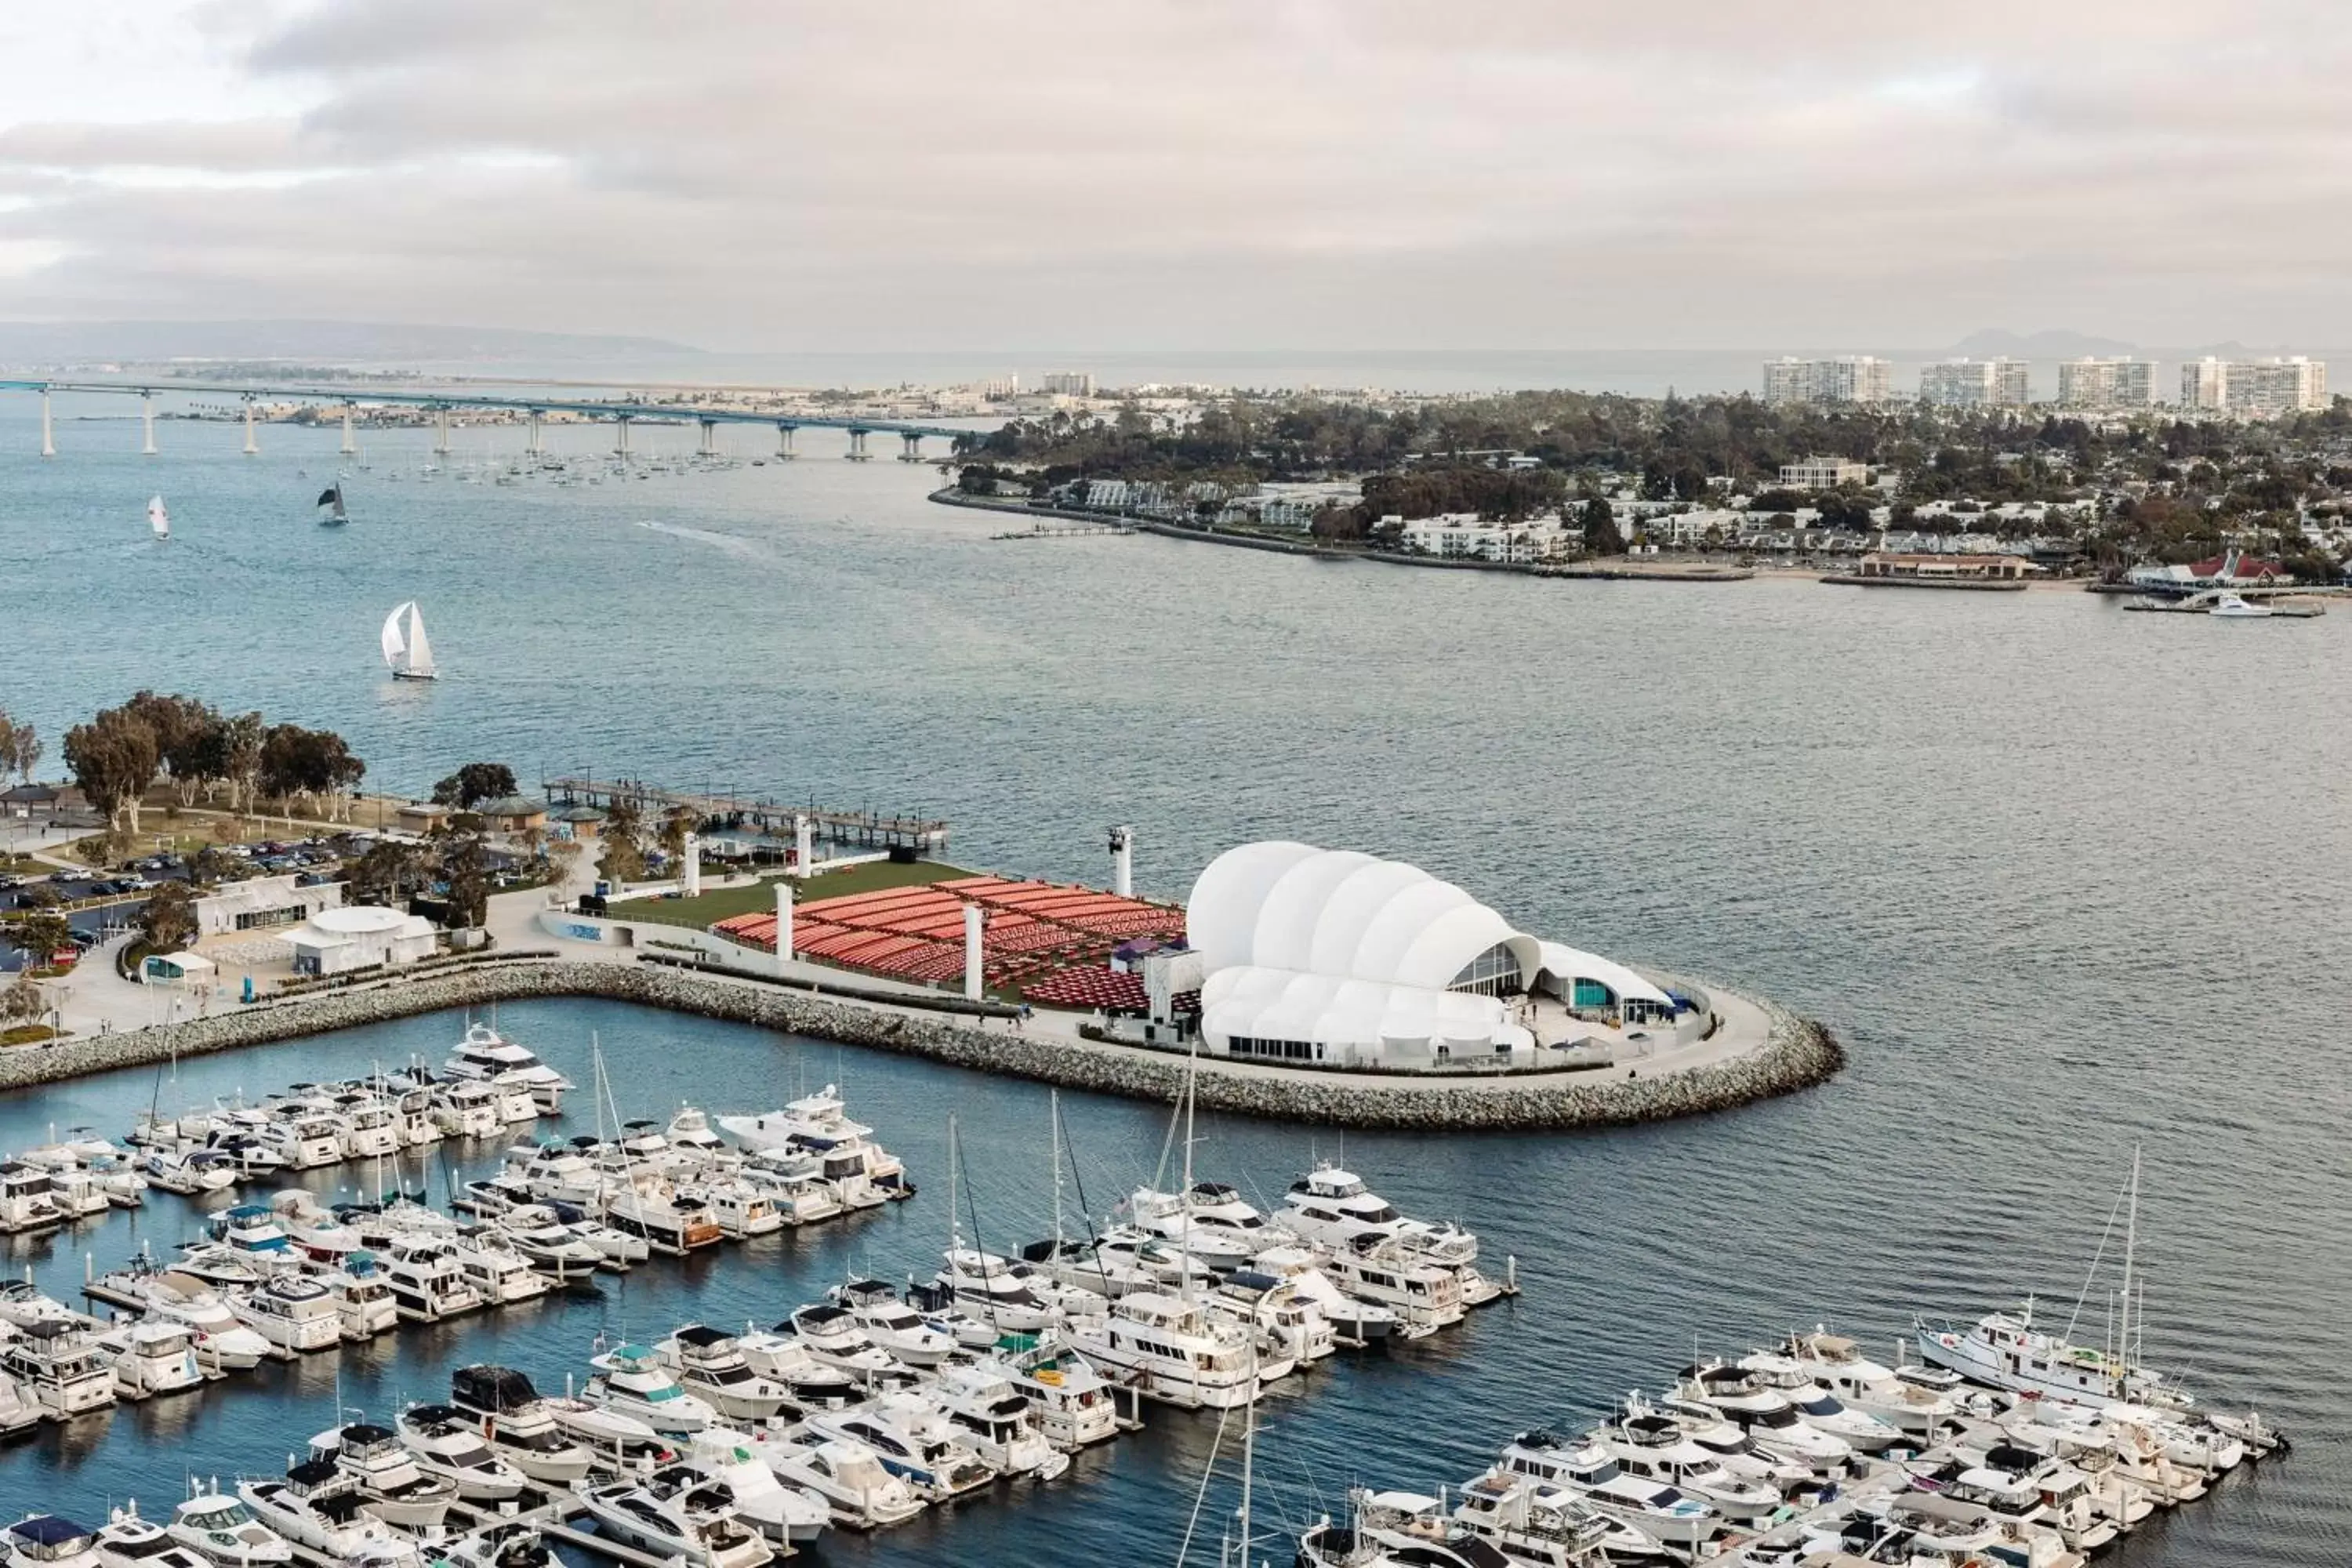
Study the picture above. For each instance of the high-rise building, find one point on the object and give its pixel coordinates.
(2204, 383)
(1850, 378)
(1069, 383)
(2106, 382)
(2260, 387)
(1976, 384)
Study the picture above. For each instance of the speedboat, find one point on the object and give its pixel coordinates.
(60, 1367)
(858, 1490)
(319, 1509)
(891, 1324)
(219, 1528)
(678, 1513)
(485, 1056)
(444, 1442)
(520, 1429)
(390, 1485)
(633, 1381)
(128, 1540)
(1587, 1469)
(992, 1416)
(619, 1444)
(152, 1356)
(762, 1500)
(2230, 607)
(19, 1411)
(292, 1312)
(913, 1441)
(24, 1304)
(711, 1366)
(49, 1541)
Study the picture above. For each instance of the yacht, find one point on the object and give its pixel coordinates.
(741, 1209)
(2006, 1351)
(19, 1411)
(1837, 1364)
(711, 1366)
(992, 1416)
(362, 1297)
(129, 1541)
(49, 1541)
(914, 1442)
(556, 1173)
(820, 1123)
(305, 1142)
(858, 1492)
(894, 1326)
(1222, 1246)
(487, 1056)
(60, 1367)
(996, 1291)
(1817, 1406)
(371, 1130)
(317, 1508)
(835, 1337)
(222, 1343)
(23, 1303)
(1332, 1207)
(292, 1312)
(427, 1285)
(618, 1445)
(795, 1182)
(1123, 1259)
(512, 1545)
(1651, 1445)
(550, 1246)
(1658, 1511)
(675, 1513)
(1169, 1349)
(152, 1356)
(1354, 1320)
(784, 1514)
(491, 1263)
(315, 1236)
(1425, 1296)
(1291, 1328)
(390, 1485)
(519, 1428)
(1522, 1520)
(2062, 1490)
(619, 1251)
(1738, 1396)
(784, 1357)
(690, 1133)
(219, 1528)
(252, 1232)
(467, 1109)
(2230, 607)
(670, 1225)
(444, 1442)
(633, 1381)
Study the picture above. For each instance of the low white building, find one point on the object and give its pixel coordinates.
(1466, 536)
(264, 903)
(337, 941)
(1823, 473)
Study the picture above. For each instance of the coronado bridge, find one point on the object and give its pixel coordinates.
(621, 412)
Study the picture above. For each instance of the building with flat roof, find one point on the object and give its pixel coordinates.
(1067, 383)
(263, 904)
(1823, 473)
(2260, 388)
(2119, 383)
(1976, 384)
(1848, 378)
(2204, 383)
(361, 936)
(1466, 536)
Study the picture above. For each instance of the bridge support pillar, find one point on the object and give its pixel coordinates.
(351, 441)
(532, 445)
(252, 442)
(911, 448)
(147, 424)
(858, 453)
(710, 447)
(975, 951)
(441, 431)
(48, 436)
(784, 442)
(622, 450)
(784, 920)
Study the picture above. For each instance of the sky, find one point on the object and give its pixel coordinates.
(760, 175)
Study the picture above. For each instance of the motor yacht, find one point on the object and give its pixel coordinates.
(821, 1124)
(1292, 1329)
(548, 1246)
(49, 1541)
(1170, 1351)
(252, 1232)
(795, 1184)
(2015, 1504)
(741, 1209)
(556, 1172)
(782, 1514)
(1220, 1246)
(619, 1250)
(1332, 1207)
(2065, 1491)
(427, 1285)
(936, 1303)
(60, 1367)
(488, 1197)
(151, 1356)
(1424, 1296)
(1837, 1364)
(633, 1381)
(305, 1142)
(315, 1236)
(784, 1357)
(485, 1056)
(492, 1265)
(292, 1312)
(1123, 1259)
(1735, 1395)
(444, 1442)
(221, 1268)
(78, 1193)
(1658, 1511)
(362, 1298)
(1071, 1403)
(2003, 1350)
(19, 1411)
(218, 1526)
(185, 1173)
(835, 1337)
(1652, 1446)
(668, 1221)
(23, 1303)
(221, 1342)
(2232, 606)
(689, 1134)
(678, 1513)
(1519, 1518)
(371, 1130)
(860, 1493)
(390, 1485)
(512, 1545)
(2095, 1451)
(711, 1366)
(996, 1291)
(521, 1429)
(1817, 1406)
(914, 1442)
(1354, 1320)
(467, 1109)
(991, 1415)
(894, 1326)
(127, 1540)
(319, 1509)
(618, 1445)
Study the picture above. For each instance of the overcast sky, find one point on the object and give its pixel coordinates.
(756, 175)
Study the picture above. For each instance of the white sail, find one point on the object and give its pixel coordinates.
(420, 652)
(158, 519)
(392, 645)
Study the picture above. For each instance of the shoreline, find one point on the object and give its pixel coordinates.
(1796, 1053)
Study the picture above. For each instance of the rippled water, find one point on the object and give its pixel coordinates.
(2067, 880)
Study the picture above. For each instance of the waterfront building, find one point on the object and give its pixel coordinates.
(1343, 958)
(511, 814)
(2232, 570)
(2260, 388)
(1823, 473)
(2204, 383)
(1466, 536)
(1976, 384)
(422, 817)
(1848, 378)
(264, 903)
(1067, 383)
(1962, 568)
(360, 936)
(2121, 383)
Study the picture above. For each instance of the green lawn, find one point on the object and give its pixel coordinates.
(720, 903)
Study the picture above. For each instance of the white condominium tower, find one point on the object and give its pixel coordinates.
(1848, 378)
(2255, 387)
(2106, 382)
(1975, 384)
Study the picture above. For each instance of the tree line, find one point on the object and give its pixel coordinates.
(121, 752)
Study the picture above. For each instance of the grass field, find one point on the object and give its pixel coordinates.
(720, 903)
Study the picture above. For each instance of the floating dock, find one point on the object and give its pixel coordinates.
(863, 829)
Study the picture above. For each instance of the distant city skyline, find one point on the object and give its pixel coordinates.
(751, 177)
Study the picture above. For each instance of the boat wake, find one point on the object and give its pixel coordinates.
(741, 549)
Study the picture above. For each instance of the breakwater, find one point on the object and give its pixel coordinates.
(1798, 1053)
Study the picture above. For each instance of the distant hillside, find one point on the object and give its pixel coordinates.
(1993, 343)
(78, 342)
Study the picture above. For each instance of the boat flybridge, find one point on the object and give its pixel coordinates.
(1332, 1207)
(490, 1058)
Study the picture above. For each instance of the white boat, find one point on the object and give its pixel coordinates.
(159, 521)
(633, 1381)
(427, 1285)
(469, 1108)
(1425, 1297)
(306, 1142)
(129, 1541)
(998, 1291)
(152, 1356)
(819, 1123)
(219, 1528)
(1652, 1446)
(913, 1441)
(491, 1264)
(1587, 1469)
(292, 1312)
(390, 1485)
(676, 1514)
(551, 1246)
(991, 1415)
(485, 1056)
(19, 1411)
(362, 1297)
(444, 1442)
(49, 1541)
(850, 1478)
(1219, 1246)
(1721, 1392)
(1817, 1406)
(1515, 1519)
(739, 1208)
(1837, 1364)
(27, 1199)
(222, 1343)
(1171, 1351)
(1291, 1328)
(1073, 1404)
(519, 1427)
(894, 1327)
(1331, 1206)
(667, 1222)
(332, 498)
(23, 1303)
(782, 1356)
(60, 1367)
(619, 1444)
(405, 652)
(1354, 1320)
(318, 1508)
(711, 1366)
(782, 1513)
(2232, 606)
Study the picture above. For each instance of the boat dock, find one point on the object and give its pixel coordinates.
(863, 829)
(2273, 608)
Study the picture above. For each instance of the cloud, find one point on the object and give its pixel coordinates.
(1275, 172)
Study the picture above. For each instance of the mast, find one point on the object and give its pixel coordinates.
(1249, 1443)
(2131, 1244)
(1184, 1197)
(1054, 1109)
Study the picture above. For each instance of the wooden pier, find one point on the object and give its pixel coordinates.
(865, 829)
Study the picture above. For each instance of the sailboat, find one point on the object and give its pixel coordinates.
(332, 498)
(405, 651)
(158, 519)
